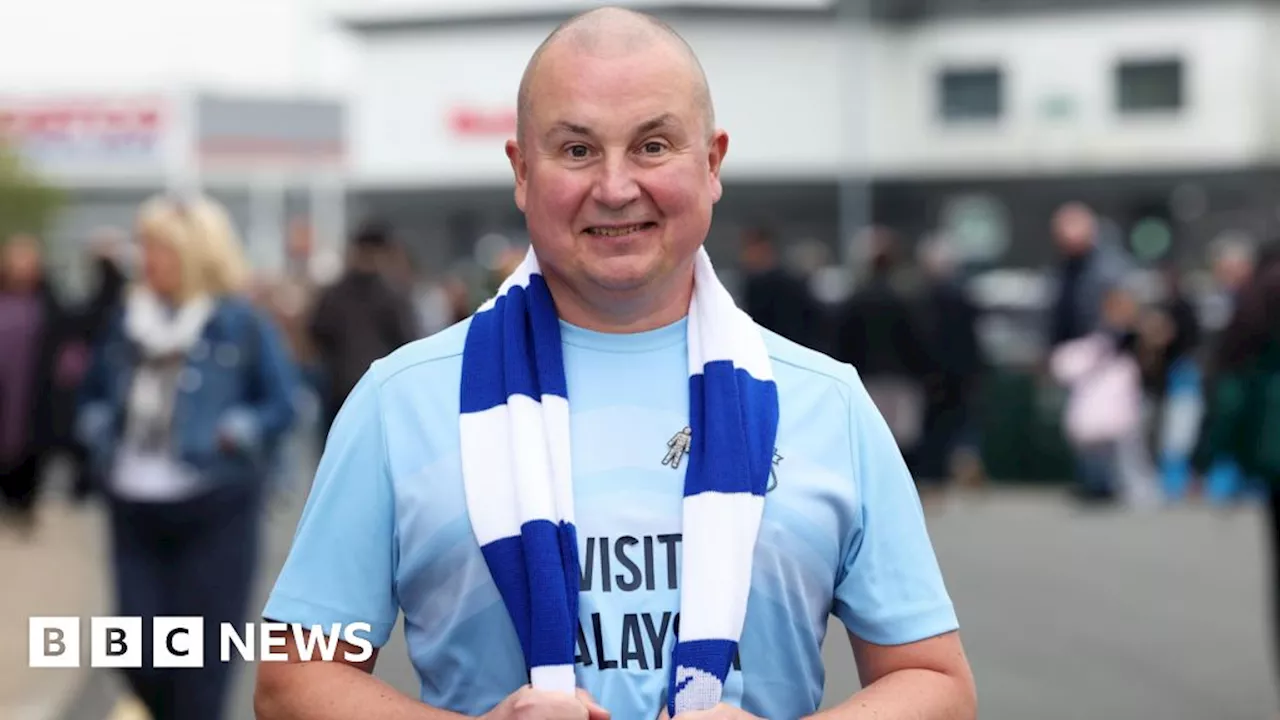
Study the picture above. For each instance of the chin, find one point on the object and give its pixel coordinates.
(621, 274)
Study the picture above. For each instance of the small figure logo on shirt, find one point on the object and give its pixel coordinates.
(677, 448)
(773, 472)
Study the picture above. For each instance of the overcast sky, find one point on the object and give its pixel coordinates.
(123, 45)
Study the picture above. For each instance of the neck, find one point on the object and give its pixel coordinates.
(631, 311)
(169, 298)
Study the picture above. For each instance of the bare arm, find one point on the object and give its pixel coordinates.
(927, 680)
(340, 690)
(337, 690)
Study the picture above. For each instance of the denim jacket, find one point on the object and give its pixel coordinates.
(234, 405)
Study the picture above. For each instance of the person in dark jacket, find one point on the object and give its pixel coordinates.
(878, 334)
(1090, 265)
(32, 324)
(774, 298)
(949, 329)
(359, 319)
(85, 325)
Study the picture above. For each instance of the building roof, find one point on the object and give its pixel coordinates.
(377, 15)
(383, 14)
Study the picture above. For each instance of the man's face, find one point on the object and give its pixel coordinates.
(614, 171)
(1233, 271)
(1074, 228)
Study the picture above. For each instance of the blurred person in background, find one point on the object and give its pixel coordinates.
(949, 329)
(1169, 339)
(428, 299)
(289, 299)
(776, 299)
(443, 303)
(32, 323)
(877, 333)
(189, 392)
(1234, 262)
(85, 325)
(1170, 332)
(1101, 374)
(1088, 267)
(1243, 411)
(360, 318)
(292, 295)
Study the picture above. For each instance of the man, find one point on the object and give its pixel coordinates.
(359, 319)
(773, 297)
(877, 333)
(617, 168)
(949, 329)
(84, 324)
(1089, 267)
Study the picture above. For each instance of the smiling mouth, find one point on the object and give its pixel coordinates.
(620, 230)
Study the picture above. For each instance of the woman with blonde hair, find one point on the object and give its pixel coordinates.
(188, 394)
(225, 269)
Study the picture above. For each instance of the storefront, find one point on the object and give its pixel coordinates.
(271, 160)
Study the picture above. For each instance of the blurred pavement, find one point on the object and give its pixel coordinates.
(59, 571)
(1066, 613)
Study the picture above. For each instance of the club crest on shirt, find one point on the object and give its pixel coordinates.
(678, 447)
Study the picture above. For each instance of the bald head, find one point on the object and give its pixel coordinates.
(612, 31)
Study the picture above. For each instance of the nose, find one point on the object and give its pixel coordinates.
(616, 186)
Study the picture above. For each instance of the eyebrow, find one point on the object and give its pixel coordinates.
(663, 120)
(648, 126)
(565, 126)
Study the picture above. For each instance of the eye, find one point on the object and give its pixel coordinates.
(577, 152)
(653, 147)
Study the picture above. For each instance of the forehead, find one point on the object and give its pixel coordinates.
(609, 92)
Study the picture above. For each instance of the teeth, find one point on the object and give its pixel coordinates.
(616, 232)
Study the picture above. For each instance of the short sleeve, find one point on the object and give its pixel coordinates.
(890, 589)
(341, 567)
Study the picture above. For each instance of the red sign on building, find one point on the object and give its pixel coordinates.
(83, 129)
(471, 122)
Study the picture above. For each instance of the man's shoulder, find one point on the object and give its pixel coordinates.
(797, 365)
(440, 352)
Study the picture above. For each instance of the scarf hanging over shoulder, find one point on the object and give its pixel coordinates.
(519, 484)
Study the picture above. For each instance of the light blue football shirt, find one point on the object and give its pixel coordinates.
(385, 529)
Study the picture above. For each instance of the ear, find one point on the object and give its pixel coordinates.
(521, 170)
(716, 150)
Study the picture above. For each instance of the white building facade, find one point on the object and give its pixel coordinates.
(980, 117)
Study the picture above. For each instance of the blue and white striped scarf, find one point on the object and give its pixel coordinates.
(519, 483)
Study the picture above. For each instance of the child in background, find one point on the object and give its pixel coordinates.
(1104, 403)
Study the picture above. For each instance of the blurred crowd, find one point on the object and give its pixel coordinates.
(188, 390)
(1137, 364)
(1136, 367)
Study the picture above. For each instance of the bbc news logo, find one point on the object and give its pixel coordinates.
(179, 642)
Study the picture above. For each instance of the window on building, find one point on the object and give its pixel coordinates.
(971, 94)
(1144, 86)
